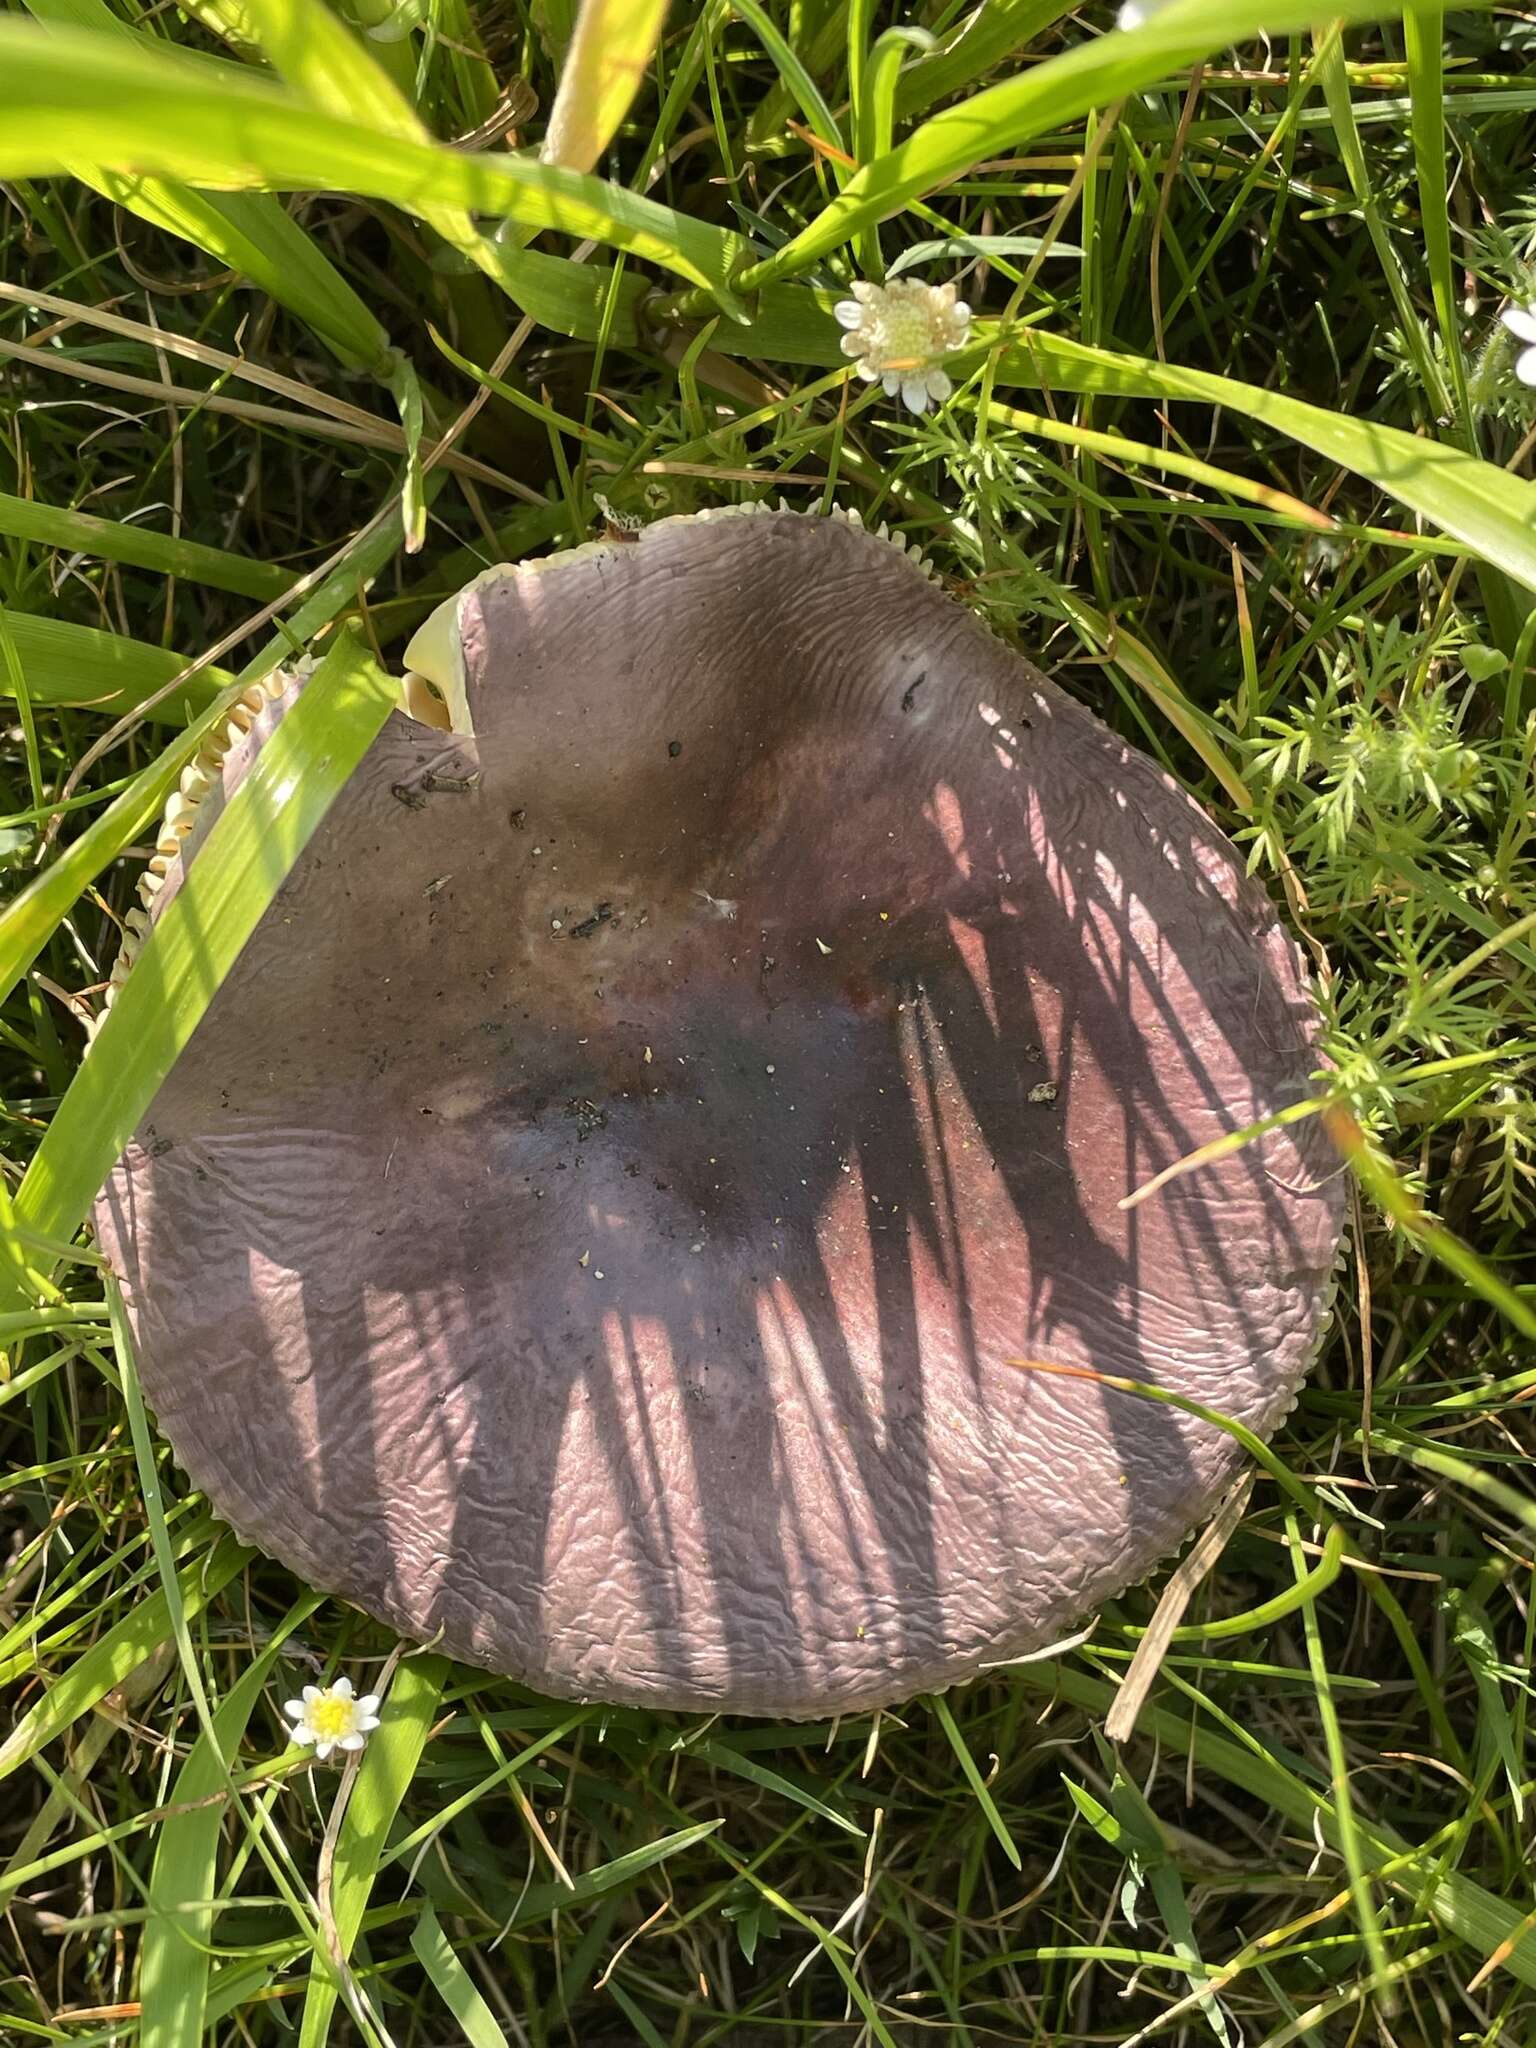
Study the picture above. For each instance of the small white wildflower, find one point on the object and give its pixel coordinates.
(1521, 322)
(330, 1718)
(1134, 15)
(897, 331)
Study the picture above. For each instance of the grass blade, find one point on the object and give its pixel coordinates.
(258, 836)
(173, 1975)
(387, 1768)
(1475, 501)
(114, 540)
(1048, 96)
(604, 69)
(120, 1651)
(103, 672)
(246, 232)
(28, 921)
(453, 1984)
(157, 113)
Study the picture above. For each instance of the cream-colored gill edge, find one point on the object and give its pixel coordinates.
(177, 820)
(435, 653)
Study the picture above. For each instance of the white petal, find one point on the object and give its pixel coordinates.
(847, 312)
(311, 1692)
(1525, 368)
(1132, 16)
(868, 371)
(369, 1703)
(914, 394)
(854, 344)
(864, 291)
(323, 1750)
(342, 1688)
(892, 382)
(353, 1741)
(939, 386)
(961, 312)
(305, 1734)
(1521, 321)
(294, 1709)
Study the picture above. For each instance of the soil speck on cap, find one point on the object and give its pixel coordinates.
(674, 748)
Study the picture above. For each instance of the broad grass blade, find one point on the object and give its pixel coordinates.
(113, 540)
(388, 1766)
(1091, 74)
(604, 69)
(105, 672)
(65, 95)
(120, 1651)
(242, 231)
(260, 833)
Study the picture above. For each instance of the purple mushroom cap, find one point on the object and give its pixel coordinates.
(593, 1222)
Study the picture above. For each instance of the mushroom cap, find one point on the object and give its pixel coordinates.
(593, 1223)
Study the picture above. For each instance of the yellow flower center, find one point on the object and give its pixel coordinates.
(905, 334)
(331, 1717)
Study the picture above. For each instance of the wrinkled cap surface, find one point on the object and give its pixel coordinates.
(593, 1222)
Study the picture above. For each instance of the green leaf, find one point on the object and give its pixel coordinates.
(975, 245)
(1048, 96)
(324, 62)
(259, 834)
(974, 1779)
(603, 70)
(984, 38)
(114, 540)
(65, 95)
(175, 1958)
(388, 1766)
(30, 918)
(725, 1758)
(453, 1984)
(1478, 502)
(246, 232)
(1422, 42)
(103, 672)
(120, 1651)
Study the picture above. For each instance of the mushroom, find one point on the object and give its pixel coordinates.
(596, 1224)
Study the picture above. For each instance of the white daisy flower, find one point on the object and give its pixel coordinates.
(330, 1718)
(897, 331)
(1521, 322)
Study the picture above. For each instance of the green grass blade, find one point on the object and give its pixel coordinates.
(984, 39)
(1422, 38)
(103, 672)
(120, 1651)
(725, 1758)
(1351, 1844)
(258, 836)
(974, 1779)
(114, 540)
(388, 1766)
(1475, 501)
(324, 62)
(158, 114)
(247, 232)
(30, 918)
(604, 68)
(453, 1984)
(1047, 97)
(174, 1969)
